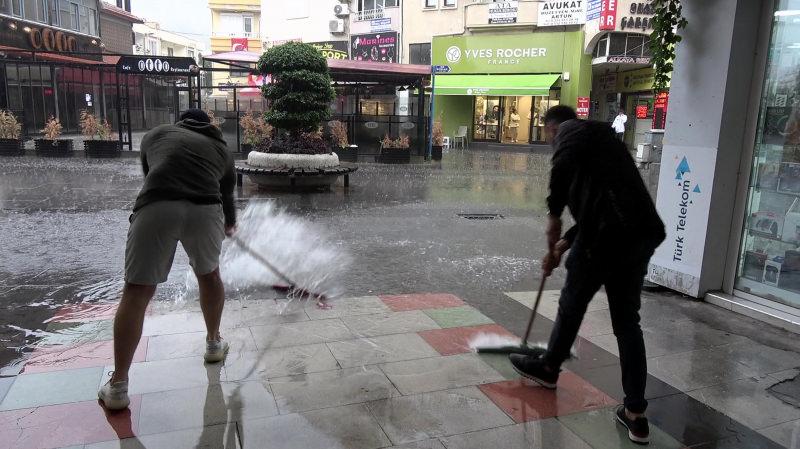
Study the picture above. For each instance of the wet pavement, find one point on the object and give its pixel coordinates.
(389, 365)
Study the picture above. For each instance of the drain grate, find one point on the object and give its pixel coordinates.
(481, 216)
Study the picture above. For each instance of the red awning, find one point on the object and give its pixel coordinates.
(50, 56)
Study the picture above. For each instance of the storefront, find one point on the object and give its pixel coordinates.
(499, 86)
(729, 185)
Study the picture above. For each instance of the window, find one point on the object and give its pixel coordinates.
(170, 51)
(13, 7)
(35, 10)
(69, 15)
(420, 53)
(247, 25)
(152, 47)
(431, 3)
(52, 12)
(449, 3)
(366, 5)
(190, 52)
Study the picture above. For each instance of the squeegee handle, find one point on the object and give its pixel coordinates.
(261, 260)
(534, 310)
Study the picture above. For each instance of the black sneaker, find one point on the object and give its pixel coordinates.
(638, 429)
(533, 368)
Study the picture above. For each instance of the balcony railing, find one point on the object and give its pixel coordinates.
(249, 35)
(369, 14)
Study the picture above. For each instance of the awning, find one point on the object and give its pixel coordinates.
(495, 84)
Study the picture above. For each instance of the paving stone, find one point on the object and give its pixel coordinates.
(501, 364)
(544, 434)
(175, 346)
(298, 334)
(761, 358)
(383, 349)
(72, 334)
(279, 362)
(440, 373)
(748, 402)
(458, 317)
(427, 444)
(174, 323)
(421, 301)
(57, 387)
(5, 385)
(389, 323)
(86, 355)
(348, 427)
(786, 434)
(211, 437)
(601, 430)
(331, 388)
(697, 369)
(442, 413)
(456, 340)
(258, 313)
(172, 374)
(366, 305)
(608, 379)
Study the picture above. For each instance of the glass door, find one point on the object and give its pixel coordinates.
(488, 117)
(539, 107)
(769, 263)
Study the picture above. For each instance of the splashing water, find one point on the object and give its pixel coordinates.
(300, 250)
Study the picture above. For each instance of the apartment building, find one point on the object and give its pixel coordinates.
(151, 39)
(235, 26)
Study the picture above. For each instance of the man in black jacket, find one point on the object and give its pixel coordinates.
(187, 197)
(617, 230)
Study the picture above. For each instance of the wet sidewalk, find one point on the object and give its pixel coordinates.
(393, 371)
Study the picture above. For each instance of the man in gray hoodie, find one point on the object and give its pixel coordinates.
(187, 197)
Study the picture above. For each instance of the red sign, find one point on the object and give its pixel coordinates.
(641, 111)
(583, 107)
(660, 111)
(608, 15)
(240, 44)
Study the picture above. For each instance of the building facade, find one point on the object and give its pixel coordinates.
(116, 27)
(150, 39)
(730, 170)
(235, 26)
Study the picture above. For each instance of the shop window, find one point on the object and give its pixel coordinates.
(617, 45)
(420, 53)
(601, 49)
(769, 262)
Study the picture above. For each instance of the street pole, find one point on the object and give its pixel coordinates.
(430, 113)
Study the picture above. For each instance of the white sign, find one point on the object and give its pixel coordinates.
(684, 201)
(561, 12)
(384, 24)
(503, 12)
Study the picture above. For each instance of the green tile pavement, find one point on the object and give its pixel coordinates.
(599, 428)
(501, 364)
(458, 317)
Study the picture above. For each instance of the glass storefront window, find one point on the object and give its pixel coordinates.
(769, 263)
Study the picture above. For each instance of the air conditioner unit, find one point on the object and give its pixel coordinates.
(341, 10)
(336, 26)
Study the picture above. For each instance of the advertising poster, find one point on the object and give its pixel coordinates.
(608, 15)
(583, 107)
(376, 47)
(560, 12)
(332, 49)
(503, 12)
(593, 9)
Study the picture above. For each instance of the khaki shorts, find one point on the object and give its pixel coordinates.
(156, 230)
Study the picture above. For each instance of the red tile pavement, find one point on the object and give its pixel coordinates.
(66, 425)
(455, 340)
(420, 301)
(57, 358)
(524, 402)
(84, 312)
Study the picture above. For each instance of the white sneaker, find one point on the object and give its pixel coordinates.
(216, 350)
(114, 396)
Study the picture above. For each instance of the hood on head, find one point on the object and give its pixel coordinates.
(206, 129)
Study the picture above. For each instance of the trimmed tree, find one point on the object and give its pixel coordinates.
(300, 94)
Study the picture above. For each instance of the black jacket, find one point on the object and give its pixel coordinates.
(595, 176)
(188, 161)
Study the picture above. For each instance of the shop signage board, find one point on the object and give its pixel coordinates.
(383, 24)
(638, 17)
(560, 12)
(660, 110)
(635, 80)
(36, 36)
(608, 82)
(642, 111)
(376, 47)
(593, 9)
(583, 107)
(503, 12)
(332, 49)
(162, 65)
(684, 202)
(440, 69)
(513, 53)
(608, 15)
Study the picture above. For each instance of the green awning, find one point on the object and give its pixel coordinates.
(494, 84)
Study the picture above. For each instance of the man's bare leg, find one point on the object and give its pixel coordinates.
(128, 324)
(212, 301)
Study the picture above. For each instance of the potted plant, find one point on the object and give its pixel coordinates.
(437, 137)
(51, 145)
(300, 94)
(104, 145)
(255, 130)
(10, 143)
(395, 151)
(341, 144)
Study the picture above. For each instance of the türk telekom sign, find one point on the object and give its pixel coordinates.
(608, 14)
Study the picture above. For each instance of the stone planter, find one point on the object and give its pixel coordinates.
(303, 170)
(436, 152)
(102, 148)
(395, 156)
(11, 147)
(54, 148)
(347, 154)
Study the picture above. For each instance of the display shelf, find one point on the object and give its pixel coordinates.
(777, 294)
(777, 192)
(771, 237)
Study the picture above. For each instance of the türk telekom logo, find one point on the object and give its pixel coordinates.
(684, 183)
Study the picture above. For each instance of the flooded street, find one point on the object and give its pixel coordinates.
(64, 222)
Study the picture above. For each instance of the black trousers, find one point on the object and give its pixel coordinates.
(622, 275)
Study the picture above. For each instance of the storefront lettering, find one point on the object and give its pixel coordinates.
(639, 23)
(46, 38)
(681, 226)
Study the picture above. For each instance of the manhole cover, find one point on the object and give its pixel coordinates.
(481, 216)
